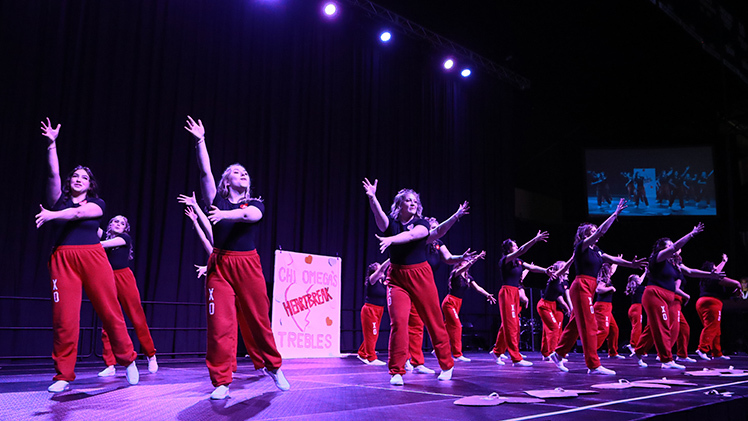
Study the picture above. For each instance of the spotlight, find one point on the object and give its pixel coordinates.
(386, 36)
(465, 72)
(330, 9)
(449, 63)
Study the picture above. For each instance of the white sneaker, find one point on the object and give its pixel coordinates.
(619, 356)
(397, 380)
(601, 370)
(363, 360)
(687, 359)
(463, 359)
(422, 369)
(446, 374)
(522, 363)
(152, 364)
(673, 364)
(408, 366)
(631, 349)
(559, 363)
(132, 374)
(522, 355)
(279, 379)
(377, 362)
(504, 357)
(221, 392)
(496, 358)
(58, 386)
(108, 372)
(702, 355)
(657, 358)
(722, 357)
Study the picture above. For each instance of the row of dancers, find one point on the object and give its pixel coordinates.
(661, 296)
(235, 286)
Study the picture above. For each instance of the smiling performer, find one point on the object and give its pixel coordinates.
(411, 278)
(118, 247)
(588, 259)
(234, 271)
(78, 259)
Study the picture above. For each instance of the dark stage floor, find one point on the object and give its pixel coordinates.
(346, 389)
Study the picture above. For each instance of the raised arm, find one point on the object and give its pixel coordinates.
(380, 272)
(376, 208)
(696, 273)
(207, 182)
(54, 186)
(620, 261)
(531, 267)
(201, 232)
(416, 233)
(453, 259)
(204, 222)
(469, 262)
(721, 266)
(605, 225)
(668, 252)
(442, 229)
(540, 236)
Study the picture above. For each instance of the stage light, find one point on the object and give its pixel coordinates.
(330, 9)
(449, 63)
(465, 72)
(386, 36)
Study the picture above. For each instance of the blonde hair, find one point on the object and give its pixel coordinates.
(399, 198)
(110, 234)
(223, 187)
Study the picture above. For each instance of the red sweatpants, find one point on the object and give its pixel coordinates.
(415, 337)
(508, 337)
(371, 318)
(684, 330)
(582, 322)
(71, 267)
(656, 302)
(249, 342)
(635, 316)
(232, 276)
(451, 310)
(607, 328)
(710, 313)
(129, 296)
(415, 284)
(552, 320)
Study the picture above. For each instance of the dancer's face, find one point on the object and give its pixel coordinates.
(238, 178)
(79, 182)
(409, 205)
(117, 225)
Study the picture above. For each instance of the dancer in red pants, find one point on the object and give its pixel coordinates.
(371, 313)
(119, 251)
(234, 271)
(555, 296)
(607, 328)
(659, 294)
(459, 282)
(588, 258)
(78, 260)
(510, 272)
(681, 331)
(205, 233)
(709, 308)
(635, 288)
(411, 278)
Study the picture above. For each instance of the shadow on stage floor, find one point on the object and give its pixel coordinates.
(346, 389)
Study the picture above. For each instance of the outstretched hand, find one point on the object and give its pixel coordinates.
(201, 270)
(384, 243)
(697, 229)
(43, 216)
(621, 206)
(640, 263)
(370, 189)
(49, 132)
(187, 200)
(190, 213)
(541, 236)
(463, 209)
(491, 299)
(215, 215)
(197, 129)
